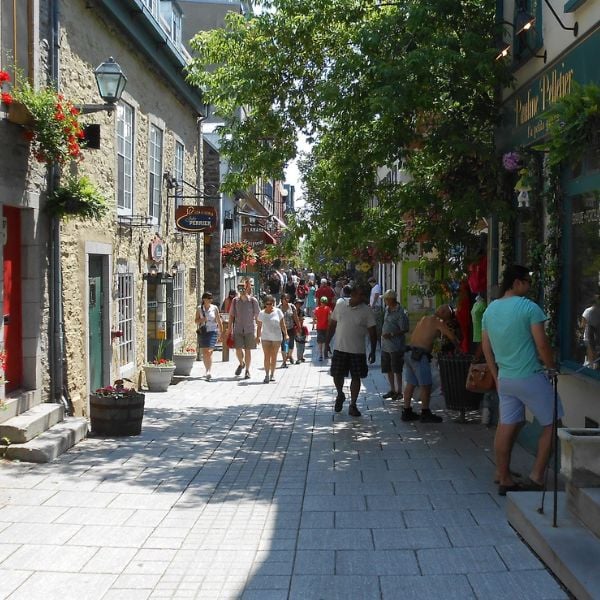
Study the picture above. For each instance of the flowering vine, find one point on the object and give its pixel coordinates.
(238, 254)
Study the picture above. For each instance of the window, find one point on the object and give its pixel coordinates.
(178, 163)
(176, 26)
(126, 323)
(583, 321)
(124, 158)
(178, 298)
(155, 151)
(153, 6)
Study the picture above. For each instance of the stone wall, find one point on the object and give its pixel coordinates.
(88, 38)
(212, 257)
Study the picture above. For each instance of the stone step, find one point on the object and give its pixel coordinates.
(570, 550)
(584, 503)
(50, 444)
(31, 423)
(15, 405)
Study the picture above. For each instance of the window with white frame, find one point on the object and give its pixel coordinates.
(178, 163)
(125, 115)
(178, 312)
(155, 152)
(126, 323)
(153, 6)
(176, 19)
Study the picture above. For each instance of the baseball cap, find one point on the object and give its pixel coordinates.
(324, 299)
(323, 281)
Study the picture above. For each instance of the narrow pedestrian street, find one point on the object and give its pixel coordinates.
(242, 490)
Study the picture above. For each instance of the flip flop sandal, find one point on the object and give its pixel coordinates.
(512, 473)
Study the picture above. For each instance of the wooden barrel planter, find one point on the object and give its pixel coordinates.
(117, 415)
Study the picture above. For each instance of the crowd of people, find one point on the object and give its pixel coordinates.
(347, 316)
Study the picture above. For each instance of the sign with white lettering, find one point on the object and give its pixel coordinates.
(196, 219)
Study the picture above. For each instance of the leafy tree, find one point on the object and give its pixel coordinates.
(413, 84)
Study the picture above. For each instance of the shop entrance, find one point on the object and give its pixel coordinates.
(13, 342)
(160, 318)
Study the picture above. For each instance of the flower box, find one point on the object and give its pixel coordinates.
(19, 114)
(580, 456)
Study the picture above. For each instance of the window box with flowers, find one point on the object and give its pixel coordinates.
(50, 120)
(116, 410)
(238, 254)
(184, 360)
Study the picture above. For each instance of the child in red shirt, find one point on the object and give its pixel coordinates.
(321, 317)
(301, 337)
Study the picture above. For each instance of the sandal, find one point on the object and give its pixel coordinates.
(525, 486)
(512, 473)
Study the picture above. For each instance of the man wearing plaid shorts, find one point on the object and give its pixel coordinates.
(350, 323)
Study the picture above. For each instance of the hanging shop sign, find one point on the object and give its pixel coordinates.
(256, 236)
(523, 113)
(196, 219)
(156, 249)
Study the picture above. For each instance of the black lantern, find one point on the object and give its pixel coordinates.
(111, 81)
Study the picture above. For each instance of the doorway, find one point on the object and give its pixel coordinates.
(96, 320)
(12, 307)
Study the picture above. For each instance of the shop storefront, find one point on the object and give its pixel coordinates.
(577, 302)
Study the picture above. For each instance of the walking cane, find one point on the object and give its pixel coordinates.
(555, 450)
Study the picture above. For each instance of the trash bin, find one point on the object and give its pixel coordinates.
(453, 376)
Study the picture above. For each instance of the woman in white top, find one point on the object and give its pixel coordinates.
(271, 328)
(210, 329)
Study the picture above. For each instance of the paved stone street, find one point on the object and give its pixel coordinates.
(242, 490)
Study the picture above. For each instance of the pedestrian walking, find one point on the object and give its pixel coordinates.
(417, 358)
(270, 330)
(290, 317)
(326, 290)
(376, 304)
(394, 330)
(209, 330)
(300, 339)
(350, 323)
(226, 306)
(242, 320)
(311, 301)
(322, 314)
(516, 349)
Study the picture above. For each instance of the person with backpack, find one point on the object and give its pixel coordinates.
(393, 343)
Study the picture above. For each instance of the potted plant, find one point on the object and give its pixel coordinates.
(50, 120)
(184, 360)
(238, 254)
(159, 372)
(116, 410)
(77, 197)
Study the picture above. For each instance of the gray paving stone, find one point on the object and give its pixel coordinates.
(396, 475)
(264, 595)
(442, 518)
(333, 503)
(370, 519)
(518, 557)
(334, 539)
(485, 535)
(110, 536)
(109, 560)
(413, 539)
(48, 557)
(400, 502)
(422, 464)
(449, 587)
(488, 515)
(30, 514)
(471, 501)
(11, 580)
(337, 587)
(466, 560)
(39, 533)
(383, 488)
(376, 562)
(521, 585)
(317, 519)
(83, 499)
(72, 586)
(314, 562)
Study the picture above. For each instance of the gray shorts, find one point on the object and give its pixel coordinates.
(247, 341)
(392, 362)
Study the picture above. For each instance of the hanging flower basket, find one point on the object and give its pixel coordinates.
(78, 197)
(238, 254)
(50, 120)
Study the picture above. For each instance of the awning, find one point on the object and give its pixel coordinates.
(269, 239)
(279, 222)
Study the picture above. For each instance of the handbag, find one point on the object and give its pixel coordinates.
(230, 341)
(480, 378)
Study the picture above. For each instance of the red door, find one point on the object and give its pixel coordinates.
(13, 344)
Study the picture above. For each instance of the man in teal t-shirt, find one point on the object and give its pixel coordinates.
(516, 349)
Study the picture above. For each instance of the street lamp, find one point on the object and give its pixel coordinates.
(111, 82)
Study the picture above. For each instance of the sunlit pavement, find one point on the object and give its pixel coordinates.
(243, 490)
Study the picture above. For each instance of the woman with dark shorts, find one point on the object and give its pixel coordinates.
(210, 329)
(290, 317)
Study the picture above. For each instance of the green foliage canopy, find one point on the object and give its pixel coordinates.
(413, 84)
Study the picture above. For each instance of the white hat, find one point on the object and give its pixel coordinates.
(323, 281)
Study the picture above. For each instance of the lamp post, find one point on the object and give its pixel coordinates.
(111, 82)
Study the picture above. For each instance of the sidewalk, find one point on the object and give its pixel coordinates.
(242, 490)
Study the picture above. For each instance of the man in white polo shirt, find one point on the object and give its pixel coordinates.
(350, 323)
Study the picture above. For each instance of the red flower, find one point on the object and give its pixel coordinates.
(59, 116)
(29, 135)
(4, 76)
(6, 98)
(74, 111)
